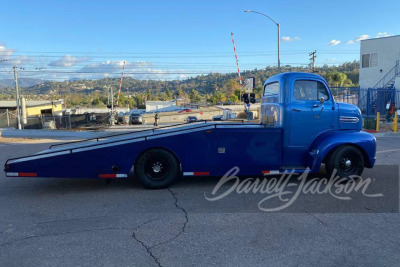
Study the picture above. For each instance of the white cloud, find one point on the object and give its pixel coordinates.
(331, 59)
(382, 34)
(137, 70)
(334, 42)
(361, 37)
(358, 39)
(5, 53)
(290, 39)
(67, 61)
(22, 60)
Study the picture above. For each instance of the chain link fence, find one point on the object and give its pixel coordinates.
(9, 119)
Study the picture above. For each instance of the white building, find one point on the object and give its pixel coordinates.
(160, 106)
(379, 63)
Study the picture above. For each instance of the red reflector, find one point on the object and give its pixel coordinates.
(27, 174)
(201, 173)
(7, 167)
(265, 172)
(107, 176)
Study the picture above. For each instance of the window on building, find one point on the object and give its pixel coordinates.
(374, 60)
(369, 60)
(365, 60)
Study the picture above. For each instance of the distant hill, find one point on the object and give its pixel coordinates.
(204, 84)
(22, 82)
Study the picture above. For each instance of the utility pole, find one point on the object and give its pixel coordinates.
(8, 119)
(112, 106)
(18, 103)
(279, 47)
(313, 57)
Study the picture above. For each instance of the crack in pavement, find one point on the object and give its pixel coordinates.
(184, 224)
(150, 248)
(134, 234)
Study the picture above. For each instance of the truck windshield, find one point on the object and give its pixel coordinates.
(271, 93)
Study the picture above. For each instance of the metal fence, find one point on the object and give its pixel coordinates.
(10, 120)
(370, 101)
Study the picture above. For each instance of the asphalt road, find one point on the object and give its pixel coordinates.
(66, 222)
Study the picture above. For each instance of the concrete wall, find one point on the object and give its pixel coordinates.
(97, 110)
(388, 49)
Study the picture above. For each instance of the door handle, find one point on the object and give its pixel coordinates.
(296, 109)
(315, 106)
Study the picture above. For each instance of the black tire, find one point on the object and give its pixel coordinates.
(157, 168)
(347, 160)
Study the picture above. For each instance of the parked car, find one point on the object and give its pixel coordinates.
(217, 118)
(123, 119)
(185, 110)
(191, 119)
(136, 119)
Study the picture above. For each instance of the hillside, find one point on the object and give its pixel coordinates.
(203, 84)
(213, 88)
(22, 82)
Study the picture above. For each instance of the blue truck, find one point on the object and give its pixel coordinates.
(301, 127)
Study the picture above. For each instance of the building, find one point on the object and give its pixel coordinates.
(35, 108)
(379, 63)
(160, 106)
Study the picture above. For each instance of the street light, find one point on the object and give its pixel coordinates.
(279, 44)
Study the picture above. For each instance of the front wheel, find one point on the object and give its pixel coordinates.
(157, 168)
(346, 160)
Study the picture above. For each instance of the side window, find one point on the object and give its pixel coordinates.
(309, 91)
(322, 91)
(272, 93)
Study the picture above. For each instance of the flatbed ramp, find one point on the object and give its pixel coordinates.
(199, 148)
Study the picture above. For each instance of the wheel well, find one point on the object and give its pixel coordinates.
(151, 148)
(367, 163)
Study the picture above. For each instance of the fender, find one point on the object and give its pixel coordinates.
(328, 141)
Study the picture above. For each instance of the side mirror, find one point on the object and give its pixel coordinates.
(321, 100)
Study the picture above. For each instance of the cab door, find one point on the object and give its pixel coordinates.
(309, 115)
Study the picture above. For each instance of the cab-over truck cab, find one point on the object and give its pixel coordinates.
(315, 128)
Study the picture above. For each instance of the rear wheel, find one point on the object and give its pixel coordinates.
(157, 168)
(346, 160)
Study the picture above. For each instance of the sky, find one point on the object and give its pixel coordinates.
(161, 39)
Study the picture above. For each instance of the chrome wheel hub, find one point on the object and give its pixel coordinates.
(347, 163)
(157, 167)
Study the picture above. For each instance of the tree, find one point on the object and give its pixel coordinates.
(219, 97)
(168, 94)
(195, 96)
(231, 87)
(149, 96)
(96, 102)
